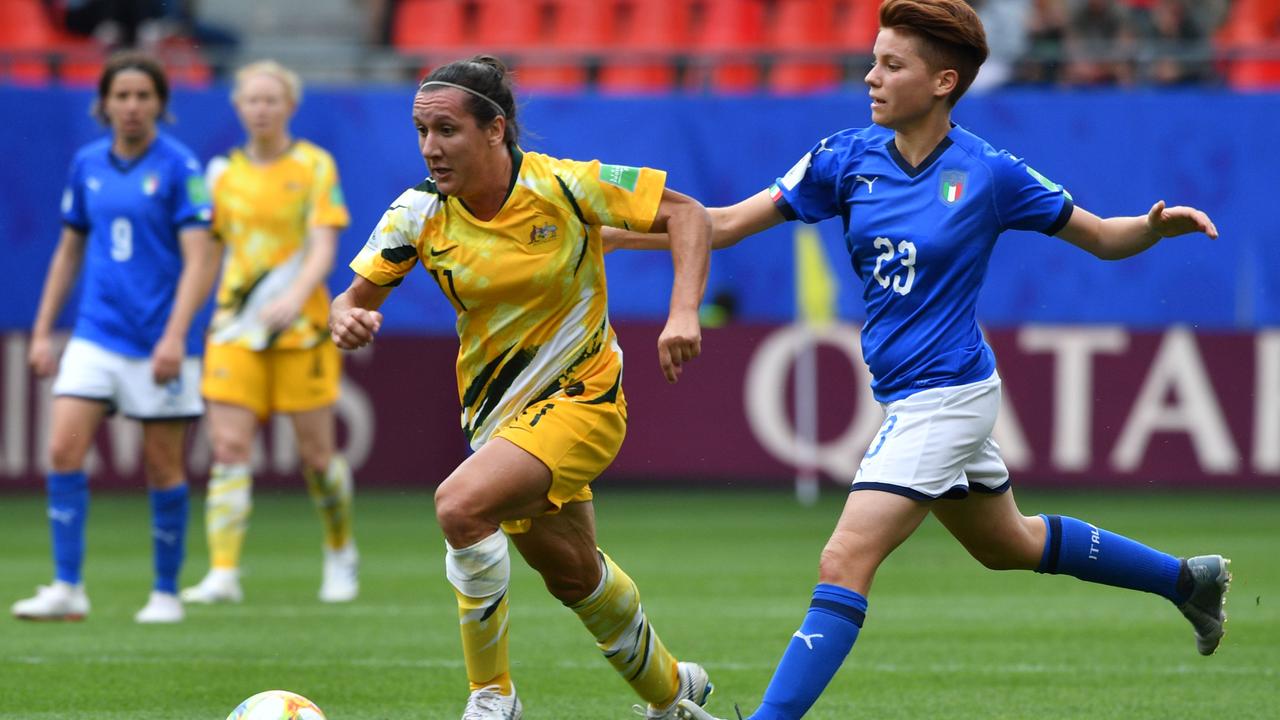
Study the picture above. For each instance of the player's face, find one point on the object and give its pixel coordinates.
(132, 106)
(452, 143)
(901, 82)
(263, 105)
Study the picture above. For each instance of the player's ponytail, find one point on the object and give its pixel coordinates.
(490, 93)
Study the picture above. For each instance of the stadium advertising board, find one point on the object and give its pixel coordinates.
(1083, 406)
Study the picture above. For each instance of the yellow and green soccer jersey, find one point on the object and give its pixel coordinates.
(263, 213)
(528, 286)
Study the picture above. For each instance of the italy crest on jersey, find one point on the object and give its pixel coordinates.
(951, 184)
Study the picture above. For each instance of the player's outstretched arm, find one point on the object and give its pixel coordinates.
(63, 270)
(1116, 238)
(353, 317)
(728, 226)
(688, 230)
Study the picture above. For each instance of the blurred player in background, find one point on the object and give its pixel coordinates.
(279, 209)
(512, 239)
(136, 215)
(923, 202)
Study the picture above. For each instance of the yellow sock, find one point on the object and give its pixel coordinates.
(479, 575)
(617, 621)
(333, 493)
(483, 622)
(226, 513)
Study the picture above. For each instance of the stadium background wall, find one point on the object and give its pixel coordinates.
(1176, 344)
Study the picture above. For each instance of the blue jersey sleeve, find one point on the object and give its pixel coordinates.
(1027, 200)
(190, 204)
(74, 213)
(810, 191)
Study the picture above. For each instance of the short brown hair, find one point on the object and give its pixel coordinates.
(950, 32)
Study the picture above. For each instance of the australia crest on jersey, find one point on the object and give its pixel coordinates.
(542, 233)
(952, 185)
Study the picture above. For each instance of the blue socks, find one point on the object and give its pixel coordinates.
(1078, 549)
(816, 651)
(68, 507)
(168, 535)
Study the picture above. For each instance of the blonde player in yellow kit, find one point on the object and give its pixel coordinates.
(279, 208)
(513, 240)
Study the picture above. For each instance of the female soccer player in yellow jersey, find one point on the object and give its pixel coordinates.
(279, 209)
(513, 240)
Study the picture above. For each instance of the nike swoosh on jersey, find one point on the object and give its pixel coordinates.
(437, 253)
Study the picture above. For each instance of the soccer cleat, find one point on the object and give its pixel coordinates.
(162, 607)
(218, 586)
(1211, 575)
(694, 689)
(341, 581)
(689, 710)
(488, 703)
(59, 601)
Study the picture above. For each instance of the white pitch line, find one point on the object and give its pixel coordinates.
(888, 668)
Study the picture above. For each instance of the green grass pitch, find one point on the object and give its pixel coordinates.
(725, 577)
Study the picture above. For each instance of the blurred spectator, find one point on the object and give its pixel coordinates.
(1099, 44)
(1046, 42)
(1006, 23)
(378, 17)
(1173, 47)
(113, 23)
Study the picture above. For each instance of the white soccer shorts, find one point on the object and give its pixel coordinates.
(937, 444)
(90, 371)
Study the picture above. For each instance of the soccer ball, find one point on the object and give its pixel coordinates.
(277, 705)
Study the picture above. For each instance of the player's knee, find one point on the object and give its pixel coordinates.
(572, 580)
(846, 562)
(458, 516)
(230, 449)
(66, 454)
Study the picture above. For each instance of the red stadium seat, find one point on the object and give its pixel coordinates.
(25, 31)
(441, 29)
(729, 35)
(799, 26)
(1253, 27)
(643, 38)
(856, 23)
(550, 38)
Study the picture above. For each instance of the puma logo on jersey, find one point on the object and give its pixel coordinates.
(822, 147)
(869, 181)
(808, 639)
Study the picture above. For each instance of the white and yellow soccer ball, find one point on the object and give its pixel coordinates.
(277, 705)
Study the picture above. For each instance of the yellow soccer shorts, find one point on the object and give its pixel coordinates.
(576, 439)
(273, 380)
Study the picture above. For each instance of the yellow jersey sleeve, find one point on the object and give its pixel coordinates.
(393, 247)
(615, 195)
(328, 206)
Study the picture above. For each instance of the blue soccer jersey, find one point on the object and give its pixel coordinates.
(131, 212)
(920, 238)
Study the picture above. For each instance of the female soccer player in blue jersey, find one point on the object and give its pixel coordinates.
(923, 202)
(136, 215)
(512, 238)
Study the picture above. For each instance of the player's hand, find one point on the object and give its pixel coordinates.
(166, 359)
(354, 328)
(1179, 220)
(680, 342)
(280, 313)
(41, 356)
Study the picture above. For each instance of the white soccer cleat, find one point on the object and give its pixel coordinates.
(695, 687)
(1204, 608)
(341, 575)
(218, 586)
(488, 703)
(162, 607)
(689, 710)
(58, 601)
